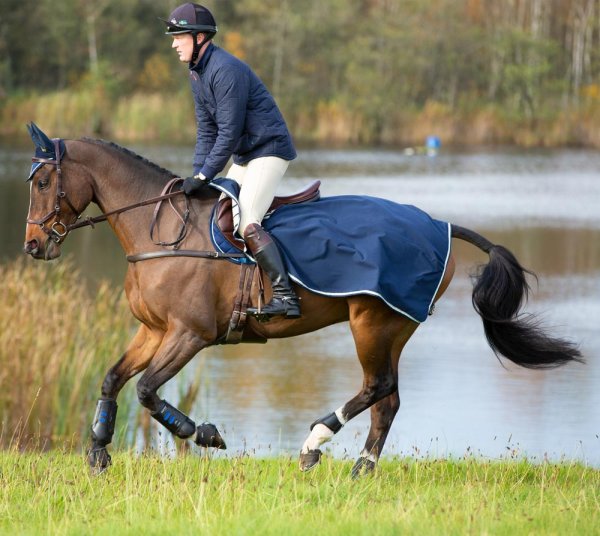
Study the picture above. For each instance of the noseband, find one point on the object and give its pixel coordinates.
(58, 230)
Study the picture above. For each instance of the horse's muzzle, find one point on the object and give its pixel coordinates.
(48, 251)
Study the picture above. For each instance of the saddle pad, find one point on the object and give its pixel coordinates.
(350, 245)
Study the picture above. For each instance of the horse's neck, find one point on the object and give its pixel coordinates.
(119, 183)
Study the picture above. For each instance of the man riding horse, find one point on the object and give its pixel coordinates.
(236, 116)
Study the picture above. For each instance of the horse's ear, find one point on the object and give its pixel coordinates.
(42, 142)
(44, 147)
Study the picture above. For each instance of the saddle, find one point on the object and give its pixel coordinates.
(223, 217)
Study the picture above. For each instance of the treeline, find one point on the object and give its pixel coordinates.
(350, 71)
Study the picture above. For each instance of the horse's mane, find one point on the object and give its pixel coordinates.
(205, 193)
(129, 152)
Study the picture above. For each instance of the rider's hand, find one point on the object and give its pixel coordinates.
(192, 185)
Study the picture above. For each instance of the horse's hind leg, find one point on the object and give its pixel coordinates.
(379, 334)
(177, 348)
(135, 359)
(382, 417)
(384, 411)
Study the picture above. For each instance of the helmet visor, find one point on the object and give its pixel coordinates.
(175, 29)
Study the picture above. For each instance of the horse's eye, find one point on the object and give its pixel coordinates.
(43, 184)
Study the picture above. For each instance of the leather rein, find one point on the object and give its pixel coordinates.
(59, 230)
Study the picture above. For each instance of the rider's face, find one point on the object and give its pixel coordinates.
(184, 44)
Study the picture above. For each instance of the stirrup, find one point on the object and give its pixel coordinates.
(289, 307)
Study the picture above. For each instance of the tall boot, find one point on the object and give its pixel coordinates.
(265, 251)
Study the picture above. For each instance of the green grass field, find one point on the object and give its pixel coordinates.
(53, 493)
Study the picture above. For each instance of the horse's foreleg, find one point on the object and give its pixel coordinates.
(177, 348)
(135, 359)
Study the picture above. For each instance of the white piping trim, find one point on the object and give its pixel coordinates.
(445, 265)
(353, 293)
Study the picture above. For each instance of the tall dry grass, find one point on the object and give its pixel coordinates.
(169, 118)
(57, 340)
(142, 117)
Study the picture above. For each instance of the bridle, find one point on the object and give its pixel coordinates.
(58, 230)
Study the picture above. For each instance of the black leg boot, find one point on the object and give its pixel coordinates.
(265, 251)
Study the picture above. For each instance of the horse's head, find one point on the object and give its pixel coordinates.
(58, 195)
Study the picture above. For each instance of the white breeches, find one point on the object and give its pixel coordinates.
(259, 180)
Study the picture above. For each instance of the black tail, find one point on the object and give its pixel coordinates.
(499, 290)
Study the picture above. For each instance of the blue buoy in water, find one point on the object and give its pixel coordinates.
(432, 144)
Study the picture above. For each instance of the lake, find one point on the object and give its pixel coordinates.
(456, 398)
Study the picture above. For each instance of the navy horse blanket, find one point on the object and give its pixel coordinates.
(348, 245)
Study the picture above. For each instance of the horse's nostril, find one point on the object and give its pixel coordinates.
(31, 246)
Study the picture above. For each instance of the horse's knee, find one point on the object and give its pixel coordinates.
(147, 395)
(381, 387)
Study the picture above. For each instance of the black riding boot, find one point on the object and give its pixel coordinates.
(265, 251)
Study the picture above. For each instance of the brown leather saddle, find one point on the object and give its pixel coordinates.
(224, 217)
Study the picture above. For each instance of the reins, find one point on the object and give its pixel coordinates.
(89, 220)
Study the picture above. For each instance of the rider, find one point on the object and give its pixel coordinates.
(236, 116)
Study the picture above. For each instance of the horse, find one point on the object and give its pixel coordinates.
(184, 304)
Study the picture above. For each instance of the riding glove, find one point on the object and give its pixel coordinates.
(192, 185)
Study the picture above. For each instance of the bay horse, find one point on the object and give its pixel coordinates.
(184, 304)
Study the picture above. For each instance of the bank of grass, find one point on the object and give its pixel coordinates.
(53, 493)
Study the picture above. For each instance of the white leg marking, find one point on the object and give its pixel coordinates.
(319, 434)
(340, 416)
(368, 455)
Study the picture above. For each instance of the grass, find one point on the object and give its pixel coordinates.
(53, 493)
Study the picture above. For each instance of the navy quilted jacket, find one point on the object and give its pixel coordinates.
(235, 113)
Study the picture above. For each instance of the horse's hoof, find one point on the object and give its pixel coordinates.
(363, 467)
(207, 435)
(309, 459)
(99, 460)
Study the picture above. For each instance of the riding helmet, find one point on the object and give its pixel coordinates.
(190, 18)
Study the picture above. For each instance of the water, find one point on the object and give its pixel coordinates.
(457, 399)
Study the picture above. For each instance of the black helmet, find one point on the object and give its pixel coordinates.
(190, 18)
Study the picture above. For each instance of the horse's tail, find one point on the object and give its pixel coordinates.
(499, 289)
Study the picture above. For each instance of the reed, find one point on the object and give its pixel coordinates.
(58, 339)
(54, 493)
(154, 117)
(169, 118)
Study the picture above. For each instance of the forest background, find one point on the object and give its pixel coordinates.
(350, 72)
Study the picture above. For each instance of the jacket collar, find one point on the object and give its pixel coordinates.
(201, 65)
